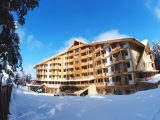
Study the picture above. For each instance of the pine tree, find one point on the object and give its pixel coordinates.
(156, 51)
(28, 78)
(17, 79)
(11, 11)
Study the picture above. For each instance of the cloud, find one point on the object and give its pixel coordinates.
(154, 7)
(33, 43)
(21, 33)
(110, 35)
(29, 40)
(69, 42)
(157, 12)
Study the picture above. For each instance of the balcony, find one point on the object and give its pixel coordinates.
(41, 68)
(89, 55)
(84, 70)
(69, 72)
(69, 66)
(116, 72)
(83, 50)
(90, 69)
(118, 47)
(69, 60)
(84, 63)
(99, 57)
(100, 75)
(84, 57)
(118, 59)
(98, 49)
(90, 62)
(99, 66)
(69, 54)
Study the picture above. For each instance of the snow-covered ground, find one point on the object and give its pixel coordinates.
(27, 105)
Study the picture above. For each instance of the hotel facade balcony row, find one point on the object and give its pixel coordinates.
(109, 63)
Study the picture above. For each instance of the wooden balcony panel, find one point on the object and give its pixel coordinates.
(116, 62)
(84, 71)
(70, 54)
(84, 50)
(116, 48)
(98, 66)
(91, 62)
(101, 75)
(98, 49)
(84, 63)
(84, 57)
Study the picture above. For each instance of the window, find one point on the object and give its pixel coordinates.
(105, 70)
(77, 61)
(77, 68)
(99, 71)
(125, 53)
(77, 55)
(76, 50)
(114, 46)
(117, 78)
(110, 58)
(128, 64)
(91, 73)
(112, 68)
(77, 75)
(129, 77)
(104, 51)
(109, 49)
(113, 79)
(106, 79)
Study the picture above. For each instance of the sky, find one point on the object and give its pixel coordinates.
(53, 26)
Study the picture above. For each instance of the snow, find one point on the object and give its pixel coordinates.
(155, 79)
(26, 105)
(144, 42)
(4, 78)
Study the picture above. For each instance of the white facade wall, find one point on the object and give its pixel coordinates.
(111, 83)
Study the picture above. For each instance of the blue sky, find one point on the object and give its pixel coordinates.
(55, 23)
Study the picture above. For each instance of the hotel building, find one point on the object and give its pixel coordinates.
(119, 66)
